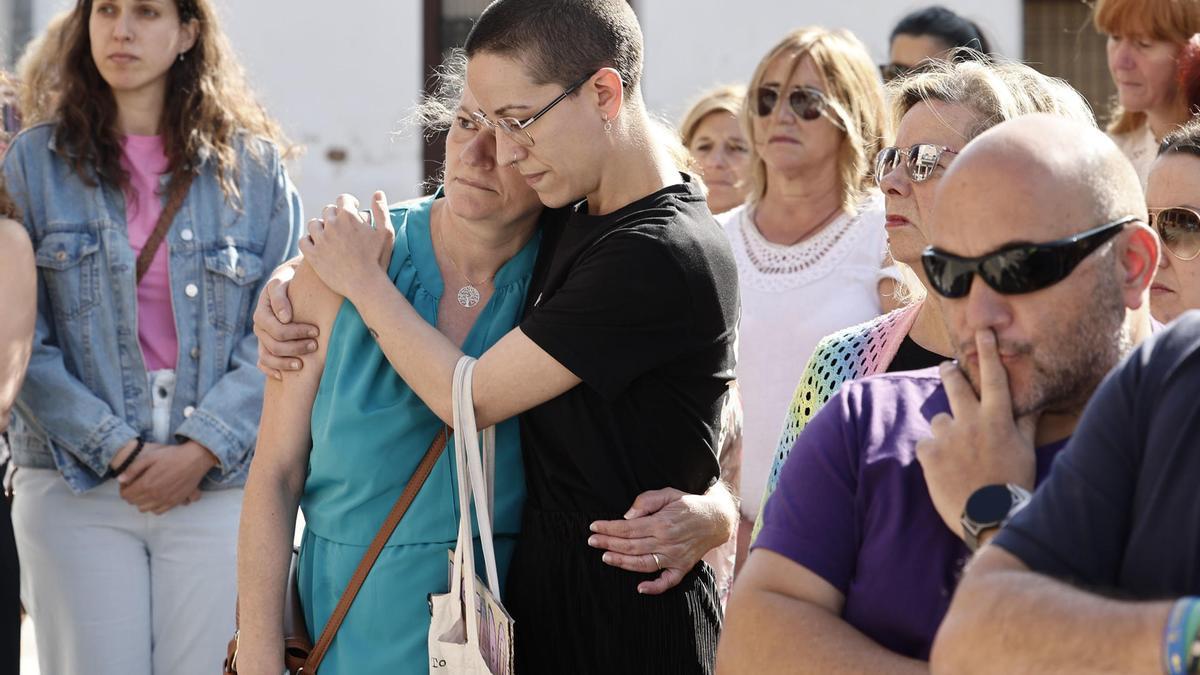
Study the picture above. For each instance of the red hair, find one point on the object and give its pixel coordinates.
(1189, 73)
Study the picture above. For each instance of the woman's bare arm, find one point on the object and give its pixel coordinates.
(18, 287)
(783, 618)
(275, 485)
(513, 376)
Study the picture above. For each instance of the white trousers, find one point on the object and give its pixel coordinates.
(115, 591)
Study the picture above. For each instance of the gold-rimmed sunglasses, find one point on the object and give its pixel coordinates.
(1179, 229)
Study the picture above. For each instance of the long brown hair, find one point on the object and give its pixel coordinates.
(208, 105)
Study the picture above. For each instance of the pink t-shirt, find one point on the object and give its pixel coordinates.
(146, 161)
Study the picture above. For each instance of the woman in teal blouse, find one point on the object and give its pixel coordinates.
(463, 258)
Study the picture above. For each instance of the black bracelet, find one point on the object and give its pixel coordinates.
(113, 473)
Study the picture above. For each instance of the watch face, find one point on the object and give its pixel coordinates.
(989, 505)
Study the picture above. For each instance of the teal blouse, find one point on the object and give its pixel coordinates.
(369, 432)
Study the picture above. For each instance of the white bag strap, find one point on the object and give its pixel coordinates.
(479, 485)
(464, 566)
(470, 477)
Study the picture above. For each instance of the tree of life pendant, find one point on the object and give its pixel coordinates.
(468, 296)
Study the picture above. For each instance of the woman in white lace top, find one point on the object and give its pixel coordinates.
(810, 242)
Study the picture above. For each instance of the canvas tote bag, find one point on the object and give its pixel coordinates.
(471, 632)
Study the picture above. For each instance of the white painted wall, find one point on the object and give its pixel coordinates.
(692, 45)
(342, 80)
(334, 81)
(343, 74)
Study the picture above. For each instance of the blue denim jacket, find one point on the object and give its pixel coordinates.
(86, 394)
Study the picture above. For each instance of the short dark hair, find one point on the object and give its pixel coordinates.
(561, 41)
(1184, 140)
(941, 23)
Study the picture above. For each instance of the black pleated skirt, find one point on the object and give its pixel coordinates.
(575, 614)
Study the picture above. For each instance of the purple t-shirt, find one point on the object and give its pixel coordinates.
(852, 506)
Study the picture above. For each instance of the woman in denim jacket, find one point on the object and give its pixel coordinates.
(136, 424)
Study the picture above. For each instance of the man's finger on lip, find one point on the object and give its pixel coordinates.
(993, 378)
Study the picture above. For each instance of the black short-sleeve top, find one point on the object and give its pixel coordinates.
(1119, 511)
(641, 304)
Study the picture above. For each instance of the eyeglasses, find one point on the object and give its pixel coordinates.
(807, 102)
(515, 128)
(920, 160)
(1179, 229)
(1017, 268)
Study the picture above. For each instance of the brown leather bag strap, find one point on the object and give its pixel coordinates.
(176, 193)
(368, 561)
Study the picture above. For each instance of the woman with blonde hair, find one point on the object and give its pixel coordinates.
(809, 242)
(970, 95)
(712, 132)
(156, 201)
(854, 627)
(37, 72)
(1145, 41)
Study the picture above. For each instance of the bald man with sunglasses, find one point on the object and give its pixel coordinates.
(1042, 263)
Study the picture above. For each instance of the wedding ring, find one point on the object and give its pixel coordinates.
(368, 216)
(657, 563)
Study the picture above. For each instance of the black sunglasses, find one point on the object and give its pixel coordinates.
(1179, 229)
(1016, 268)
(920, 160)
(806, 102)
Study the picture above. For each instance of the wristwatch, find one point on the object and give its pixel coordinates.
(991, 507)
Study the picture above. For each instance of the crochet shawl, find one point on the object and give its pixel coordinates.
(849, 354)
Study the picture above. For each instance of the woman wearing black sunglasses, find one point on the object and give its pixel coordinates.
(1173, 195)
(809, 242)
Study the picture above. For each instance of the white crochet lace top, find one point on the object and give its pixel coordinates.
(792, 296)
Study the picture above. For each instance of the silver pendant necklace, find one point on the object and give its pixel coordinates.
(468, 296)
